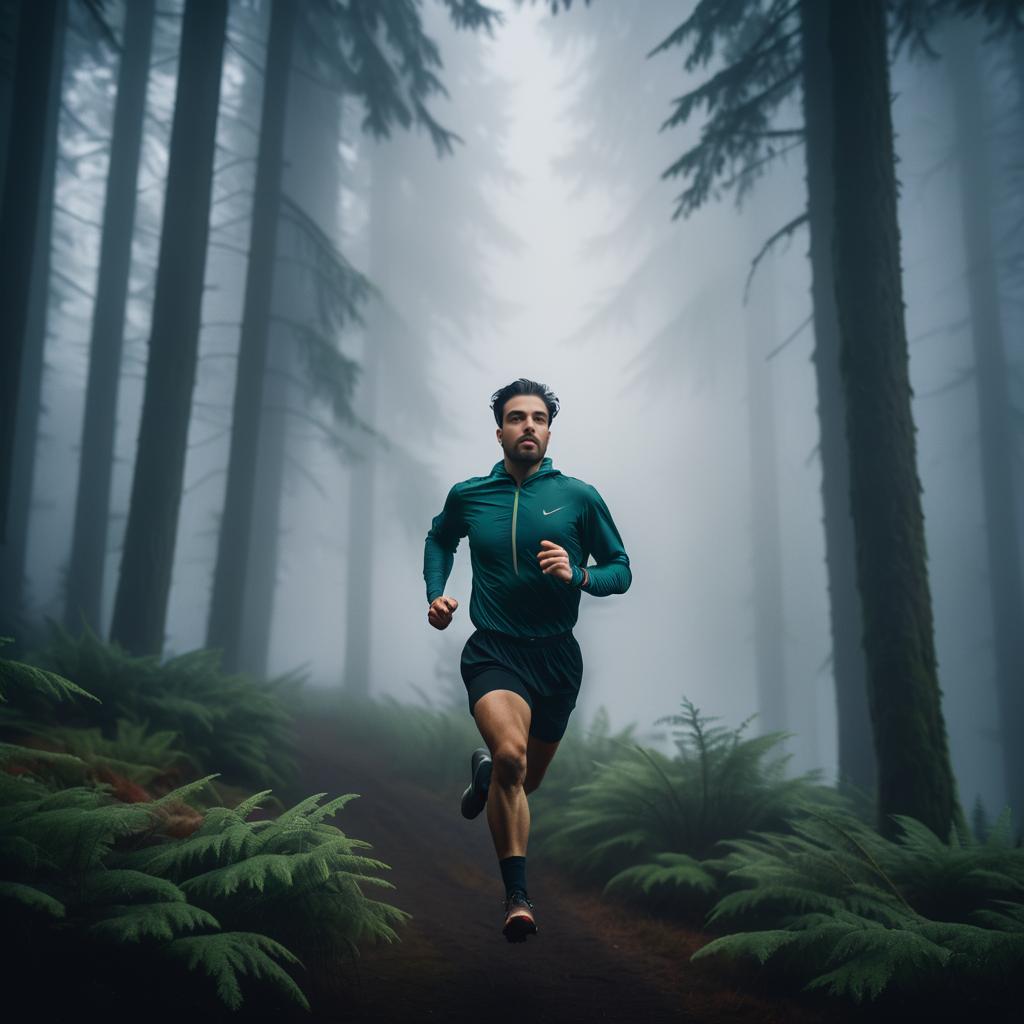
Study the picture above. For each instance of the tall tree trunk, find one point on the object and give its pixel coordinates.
(8, 32)
(264, 550)
(994, 407)
(856, 754)
(359, 575)
(92, 507)
(914, 773)
(229, 583)
(140, 608)
(313, 123)
(19, 212)
(14, 613)
(769, 657)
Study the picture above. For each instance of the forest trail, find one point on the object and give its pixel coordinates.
(592, 960)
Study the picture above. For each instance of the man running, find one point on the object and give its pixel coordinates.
(531, 532)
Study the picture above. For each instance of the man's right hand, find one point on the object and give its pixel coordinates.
(440, 612)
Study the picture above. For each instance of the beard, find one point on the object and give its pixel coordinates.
(527, 456)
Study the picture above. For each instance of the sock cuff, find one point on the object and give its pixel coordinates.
(513, 873)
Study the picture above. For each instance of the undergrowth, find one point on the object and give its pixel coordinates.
(158, 897)
(838, 907)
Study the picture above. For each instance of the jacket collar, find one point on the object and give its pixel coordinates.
(546, 469)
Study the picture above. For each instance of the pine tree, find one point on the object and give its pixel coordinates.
(772, 49)
(962, 49)
(141, 603)
(92, 508)
(914, 773)
(13, 547)
(225, 623)
(38, 27)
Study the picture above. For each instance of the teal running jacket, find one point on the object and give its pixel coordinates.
(505, 524)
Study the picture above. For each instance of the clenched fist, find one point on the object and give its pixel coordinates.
(554, 559)
(440, 612)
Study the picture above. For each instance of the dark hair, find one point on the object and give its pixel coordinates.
(523, 387)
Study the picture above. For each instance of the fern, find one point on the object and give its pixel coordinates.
(653, 822)
(92, 881)
(242, 726)
(19, 676)
(839, 907)
(35, 899)
(159, 921)
(227, 956)
(671, 875)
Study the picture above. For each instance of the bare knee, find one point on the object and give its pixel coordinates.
(509, 765)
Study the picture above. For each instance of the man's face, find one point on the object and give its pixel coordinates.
(525, 430)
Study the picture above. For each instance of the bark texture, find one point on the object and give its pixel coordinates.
(224, 630)
(856, 753)
(92, 504)
(140, 607)
(19, 211)
(15, 611)
(914, 773)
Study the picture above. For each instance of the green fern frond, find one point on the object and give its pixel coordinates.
(19, 676)
(124, 885)
(869, 958)
(332, 807)
(199, 852)
(381, 919)
(788, 899)
(77, 839)
(1007, 917)
(300, 809)
(227, 956)
(17, 789)
(10, 752)
(672, 871)
(246, 807)
(173, 707)
(182, 793)
(31, 897)
(276, 871)
(161, 921)
(760, 945)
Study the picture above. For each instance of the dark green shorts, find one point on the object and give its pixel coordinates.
(546, 672)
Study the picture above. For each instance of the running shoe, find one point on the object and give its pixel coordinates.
(519, 919)
(475, 796)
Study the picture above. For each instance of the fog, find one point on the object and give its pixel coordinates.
(544, 246)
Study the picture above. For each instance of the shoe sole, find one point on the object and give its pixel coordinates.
(472, 803)
(519, 927)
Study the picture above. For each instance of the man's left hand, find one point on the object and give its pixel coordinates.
(555, 560)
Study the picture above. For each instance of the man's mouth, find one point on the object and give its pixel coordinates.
(527, 442)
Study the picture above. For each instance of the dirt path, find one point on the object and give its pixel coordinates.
(591, 960)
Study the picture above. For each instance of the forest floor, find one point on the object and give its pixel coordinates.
(592, 960)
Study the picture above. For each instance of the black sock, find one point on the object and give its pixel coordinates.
(513, 873)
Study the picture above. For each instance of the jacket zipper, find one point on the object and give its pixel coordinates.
(515, 511)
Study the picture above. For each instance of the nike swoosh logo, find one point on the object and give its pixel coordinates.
(553, 511)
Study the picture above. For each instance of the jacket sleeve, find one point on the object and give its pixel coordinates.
(611, 574)
(440, 545)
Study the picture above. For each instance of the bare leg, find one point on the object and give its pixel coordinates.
(538, 756)
(503, 718)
